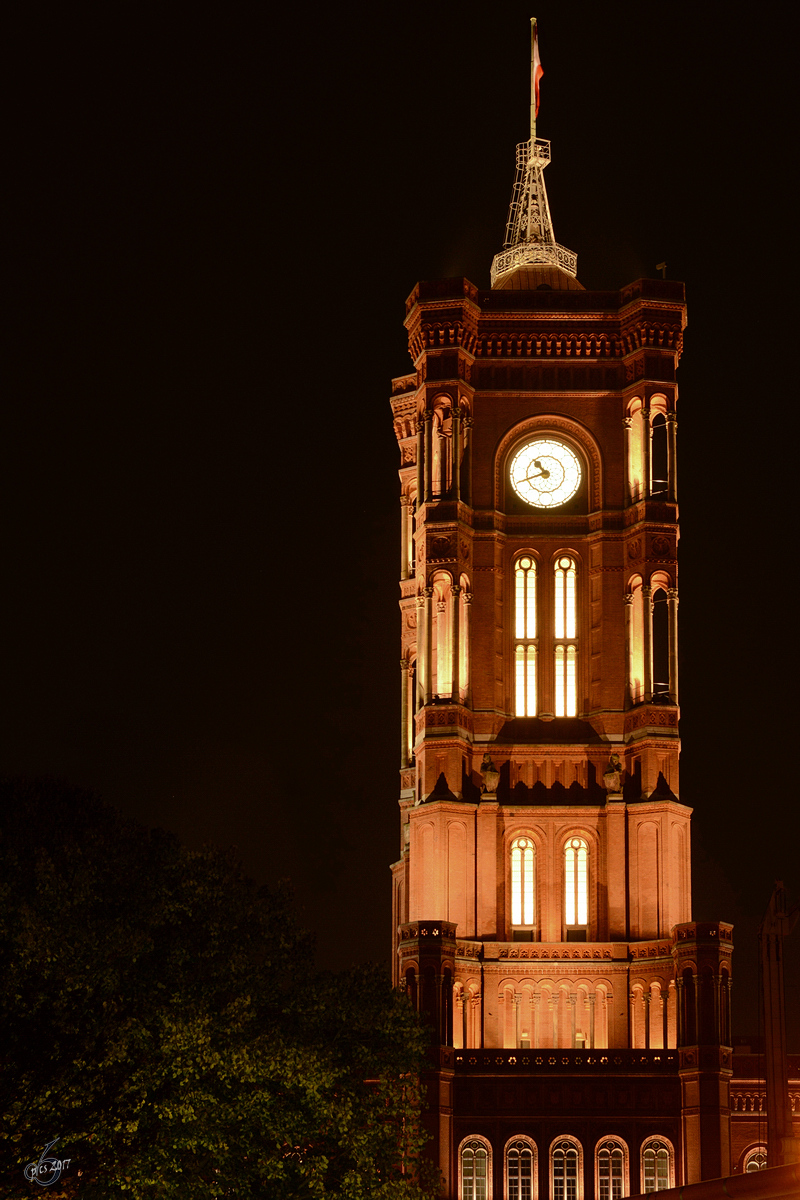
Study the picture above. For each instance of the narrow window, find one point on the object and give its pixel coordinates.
(523, 883)
(576, 886)
(656, 1167)
(659, 456)
(566, 624)
(519, 1171)
(564, 1166)
(525, 644)
(660, 644)
(610, 1171)
(474, 1172)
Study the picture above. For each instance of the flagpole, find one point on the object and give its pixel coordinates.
(533, 78)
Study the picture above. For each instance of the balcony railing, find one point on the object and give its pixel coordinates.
(585, 1062)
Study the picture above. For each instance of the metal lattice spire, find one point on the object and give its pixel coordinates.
(529, 239)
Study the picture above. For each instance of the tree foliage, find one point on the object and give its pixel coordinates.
(162, 1017)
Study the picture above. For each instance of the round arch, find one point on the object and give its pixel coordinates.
(569, 431)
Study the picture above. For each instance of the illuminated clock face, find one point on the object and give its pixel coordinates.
(545, 473)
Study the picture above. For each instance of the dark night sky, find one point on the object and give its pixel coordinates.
(218, 218)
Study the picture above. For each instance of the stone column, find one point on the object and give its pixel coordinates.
(573, 1004)
(420, 461)
(536, 1037)
(627, 423)
(647, 446)
(592, 1000)
(646, 1001)
(455, 647)
(427, 684)
(467, 635)
(629, 647)
(404, 731)
(456, 451)
(672, 613)
(404, 555)
(441, 647)
(647, 630)
(465, 482)
(672, 457)
(423, 603)
(427, 417)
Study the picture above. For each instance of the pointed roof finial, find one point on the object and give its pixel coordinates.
(530, 241)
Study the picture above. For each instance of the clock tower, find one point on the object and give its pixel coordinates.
(541, 898)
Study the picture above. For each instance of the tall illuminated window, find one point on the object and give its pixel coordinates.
(523, 883)
(525, 644)
(474, 1170)
(520, 1169)
(564, 1167)
(576, 884)
(610, 1170)
(656, 1166)
(566, 632)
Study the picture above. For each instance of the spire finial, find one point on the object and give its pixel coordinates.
(529, 240)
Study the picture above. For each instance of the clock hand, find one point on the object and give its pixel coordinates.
(540, 474)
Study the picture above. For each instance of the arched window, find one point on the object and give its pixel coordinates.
(756, 1160)
(612, 1169)
(441, 441)
(661, 680)
(442, 634)
(475, 1161)
(659, 456)
(521, 1169)
(576, 888)
(656, 1165)
(566, 633)
(566, 1170)
(523, 887)
(525, 637)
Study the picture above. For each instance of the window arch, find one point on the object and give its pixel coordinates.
(652, 638)
(650, 431)
(659, 456)
(565, 632)
(657, 1165)
(441, 441)
(475, 1169)
(755, 1160)
(566, 1169)
(442, 634)
(521, 1169)
(576, 888)
(611, 1169)
(522, 869)
(525, 636)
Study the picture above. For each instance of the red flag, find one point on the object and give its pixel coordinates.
(536, 71)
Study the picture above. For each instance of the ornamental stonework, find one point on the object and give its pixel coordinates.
(509, 952)
(665, 718)
(441, 549)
